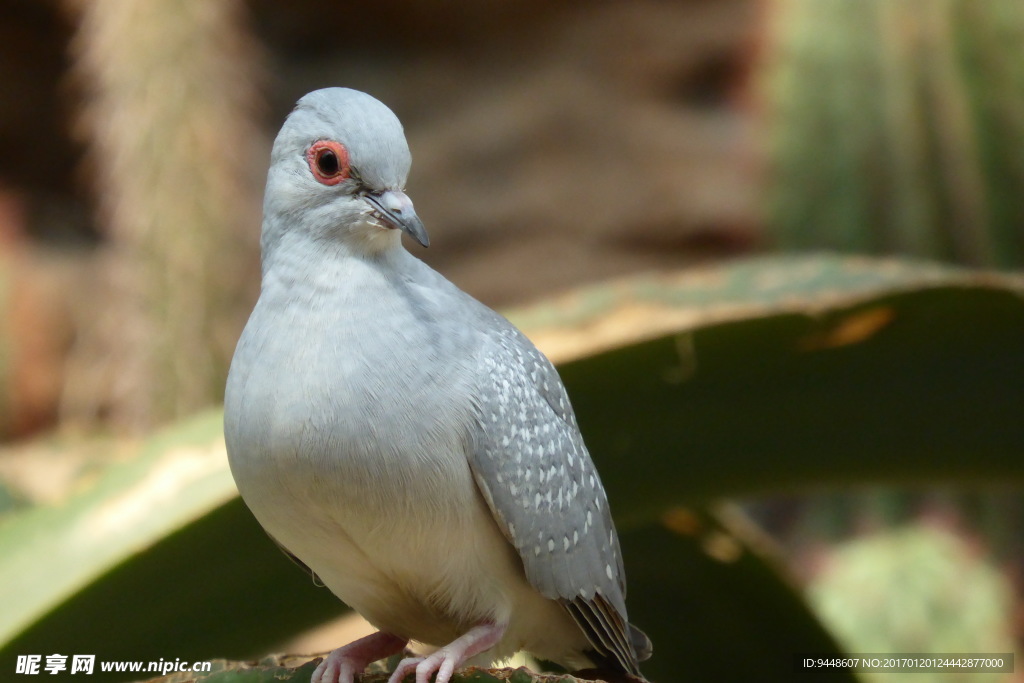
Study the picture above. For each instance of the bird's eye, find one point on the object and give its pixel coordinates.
(328, 162)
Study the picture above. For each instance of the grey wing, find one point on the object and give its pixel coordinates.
(530, 463)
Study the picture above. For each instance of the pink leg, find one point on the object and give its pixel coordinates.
(343, 664)
(445, 660)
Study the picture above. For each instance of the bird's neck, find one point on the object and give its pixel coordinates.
(307, 267)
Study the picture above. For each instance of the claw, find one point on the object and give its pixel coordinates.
(404, 668)
(342, 665)
(443, 662)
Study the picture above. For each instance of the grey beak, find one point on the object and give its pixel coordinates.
(396, 209)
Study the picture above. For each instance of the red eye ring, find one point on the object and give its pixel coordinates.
(328, 161)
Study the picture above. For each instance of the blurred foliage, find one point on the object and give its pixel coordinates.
(918, 588)
(896, 127)
(765, 375)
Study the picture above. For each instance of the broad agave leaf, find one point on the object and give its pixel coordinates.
(765, 375)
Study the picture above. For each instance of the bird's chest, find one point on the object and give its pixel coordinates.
(348, 413)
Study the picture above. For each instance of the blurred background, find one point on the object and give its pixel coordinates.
(555, 146)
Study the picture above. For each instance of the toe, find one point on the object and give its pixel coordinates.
(431, 664)
(404, 668)
(318, 673)
(445, 671)
(333, 670)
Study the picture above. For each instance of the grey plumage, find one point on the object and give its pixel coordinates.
(405, 442)
(531, 465)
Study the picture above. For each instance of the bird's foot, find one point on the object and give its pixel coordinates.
(342, 665)
(448, 658)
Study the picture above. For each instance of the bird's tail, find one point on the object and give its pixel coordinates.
(613, 669)
(641, 643)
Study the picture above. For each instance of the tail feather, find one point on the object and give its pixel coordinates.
(641, 643)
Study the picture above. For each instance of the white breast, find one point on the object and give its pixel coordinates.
(354, 457)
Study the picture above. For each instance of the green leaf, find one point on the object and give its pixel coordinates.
(155, 559)
(52, 552)
(780, 374)
(765, 375)
(711, 593)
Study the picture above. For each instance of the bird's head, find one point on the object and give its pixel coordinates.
(338, 172)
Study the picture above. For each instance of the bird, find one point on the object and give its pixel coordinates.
(404, 442)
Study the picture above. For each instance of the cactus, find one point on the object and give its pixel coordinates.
(169, 99)
(918, 588)
(896, 127)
